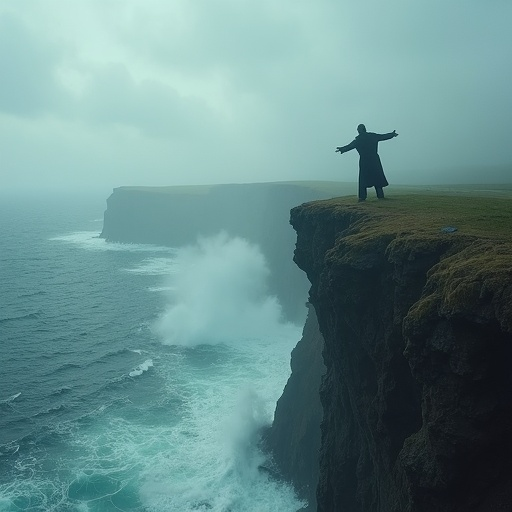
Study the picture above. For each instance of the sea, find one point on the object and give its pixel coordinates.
(134, 377)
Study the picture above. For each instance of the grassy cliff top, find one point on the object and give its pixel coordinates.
(488, 217)
(474, 276)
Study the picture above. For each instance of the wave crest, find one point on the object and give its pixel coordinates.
(219, 294)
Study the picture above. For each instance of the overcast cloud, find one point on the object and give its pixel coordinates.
(104, 93)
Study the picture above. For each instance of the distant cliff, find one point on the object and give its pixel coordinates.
(259, 212)
(417, 344)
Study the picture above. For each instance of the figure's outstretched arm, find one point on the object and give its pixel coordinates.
(344, 149)
(387, 136)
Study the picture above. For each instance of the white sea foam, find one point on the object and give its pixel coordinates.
(91, 241)
(11, 398)
(240, 432)
(159, 289)
(219, 294)
(143, 367)
(213, 462)
(190, 446)
(154, 266)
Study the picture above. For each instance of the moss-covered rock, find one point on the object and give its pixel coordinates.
(417, 322)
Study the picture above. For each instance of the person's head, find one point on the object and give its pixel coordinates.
(361, 128)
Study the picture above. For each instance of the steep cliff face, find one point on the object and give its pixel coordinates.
(417, 395)
(294, 437)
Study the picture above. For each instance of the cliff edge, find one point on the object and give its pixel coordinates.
(417, 325)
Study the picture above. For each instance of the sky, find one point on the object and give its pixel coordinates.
(108, 93)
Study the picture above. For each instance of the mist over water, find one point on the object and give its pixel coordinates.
(219, 294)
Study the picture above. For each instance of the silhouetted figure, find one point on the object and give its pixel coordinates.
(371, 173)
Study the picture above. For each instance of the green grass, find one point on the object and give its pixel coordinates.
(474, 276)
(478, 216)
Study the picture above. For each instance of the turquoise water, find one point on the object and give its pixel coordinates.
(134, 377)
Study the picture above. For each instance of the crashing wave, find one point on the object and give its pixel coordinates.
(144, 367)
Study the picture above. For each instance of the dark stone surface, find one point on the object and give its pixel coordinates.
(294, 437)
(417, 396)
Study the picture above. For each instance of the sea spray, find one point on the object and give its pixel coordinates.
(235, 359)
(240, 433)
(214, 462)
(219, 294)
(141, 368)
(178, 437)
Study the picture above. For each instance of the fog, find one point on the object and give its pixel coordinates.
(105, 93)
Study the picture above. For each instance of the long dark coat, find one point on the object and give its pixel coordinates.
(371, 173)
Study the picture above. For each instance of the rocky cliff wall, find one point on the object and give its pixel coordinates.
(417, 323)
(294, 437)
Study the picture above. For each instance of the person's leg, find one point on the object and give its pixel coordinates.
(362, 192)
(380, 192)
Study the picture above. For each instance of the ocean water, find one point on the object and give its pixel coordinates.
(134, 378)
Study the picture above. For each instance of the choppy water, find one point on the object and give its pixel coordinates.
(133, 377)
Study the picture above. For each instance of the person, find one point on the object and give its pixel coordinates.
(371, 173)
